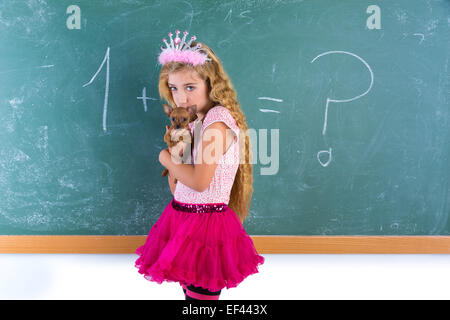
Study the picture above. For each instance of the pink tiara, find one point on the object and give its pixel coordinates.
(180, 51)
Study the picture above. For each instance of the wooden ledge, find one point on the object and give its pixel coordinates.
(263, 244)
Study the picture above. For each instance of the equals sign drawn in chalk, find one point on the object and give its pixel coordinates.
(270, 99)
(268, 110)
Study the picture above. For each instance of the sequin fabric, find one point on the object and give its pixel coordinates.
(199, 208)
(219, 189)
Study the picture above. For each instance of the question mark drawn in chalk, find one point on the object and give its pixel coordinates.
(324, 130)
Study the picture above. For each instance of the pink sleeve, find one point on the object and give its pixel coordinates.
(222, 114)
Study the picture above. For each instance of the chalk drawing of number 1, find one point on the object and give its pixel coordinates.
(105, 104)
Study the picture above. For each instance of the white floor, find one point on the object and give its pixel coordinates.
(113, 276)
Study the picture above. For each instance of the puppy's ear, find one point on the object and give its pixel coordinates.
(192, 110)
(167, 109)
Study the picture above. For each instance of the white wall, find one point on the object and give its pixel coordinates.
(113, 276)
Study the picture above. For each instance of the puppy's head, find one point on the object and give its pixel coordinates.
(180, 117)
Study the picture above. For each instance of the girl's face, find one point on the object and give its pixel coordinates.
(189, 89)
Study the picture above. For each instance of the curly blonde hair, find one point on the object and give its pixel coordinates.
(221, 92)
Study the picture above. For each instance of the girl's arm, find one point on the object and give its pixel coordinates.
(198, 177)
(182, 172)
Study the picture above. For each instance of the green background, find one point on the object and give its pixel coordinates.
(62, 173)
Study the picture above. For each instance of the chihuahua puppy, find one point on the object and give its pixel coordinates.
(179, 132)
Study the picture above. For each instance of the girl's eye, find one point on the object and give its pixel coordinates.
(170, 88)
(173, 119)
(190, 87)
(184, 119)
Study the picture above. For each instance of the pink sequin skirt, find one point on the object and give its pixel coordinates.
(204, 245)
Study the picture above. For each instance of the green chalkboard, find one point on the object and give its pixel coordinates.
(348, 102)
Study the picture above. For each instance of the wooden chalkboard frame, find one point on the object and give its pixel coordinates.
(263, 244)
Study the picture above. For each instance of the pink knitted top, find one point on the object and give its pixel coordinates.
(220, 188)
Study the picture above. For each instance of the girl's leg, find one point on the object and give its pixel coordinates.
(197, 293)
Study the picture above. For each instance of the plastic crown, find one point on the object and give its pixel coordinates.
(178, 50)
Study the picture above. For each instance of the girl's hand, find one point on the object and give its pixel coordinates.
(173, 151)
(164, 157)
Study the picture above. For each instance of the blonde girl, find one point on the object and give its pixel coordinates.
(199, 240)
